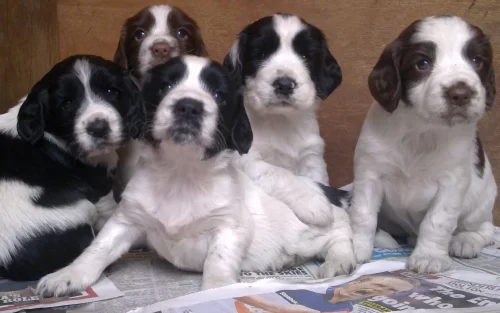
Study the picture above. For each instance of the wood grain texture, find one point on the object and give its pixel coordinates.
(29, 46)
(357, 31)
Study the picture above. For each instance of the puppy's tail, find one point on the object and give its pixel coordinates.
(337, 197)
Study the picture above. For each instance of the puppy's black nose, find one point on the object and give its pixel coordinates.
(98, 128)
(188, 108)
(284, 85)
(459, 94)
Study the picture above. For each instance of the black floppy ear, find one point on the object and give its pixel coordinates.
(134, 114)
(30, 118)
(330, 76)
(491, 89)
(120, 55)
(135, 118)
(232, 60)
(241, 134)
(384, 80)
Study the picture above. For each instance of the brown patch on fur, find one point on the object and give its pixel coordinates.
(480, 46)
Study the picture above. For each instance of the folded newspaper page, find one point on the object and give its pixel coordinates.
(19, 296)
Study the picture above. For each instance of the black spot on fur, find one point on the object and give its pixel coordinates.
(62, 178)
(481, 158)
(47, 252)
(338, 197)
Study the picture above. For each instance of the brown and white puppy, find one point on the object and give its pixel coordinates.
(151, 37)
(155, 35)
(419, 159)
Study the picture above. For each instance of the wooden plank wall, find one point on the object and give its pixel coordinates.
(28, 46)
(357, 31)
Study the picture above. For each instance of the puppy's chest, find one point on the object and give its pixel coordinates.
(176, 203)
(412, 173)
(281, 148)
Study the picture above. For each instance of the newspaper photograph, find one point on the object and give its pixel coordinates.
(20, 295)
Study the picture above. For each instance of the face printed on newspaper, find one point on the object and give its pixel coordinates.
(381, 292)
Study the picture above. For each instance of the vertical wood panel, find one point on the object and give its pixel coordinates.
(29, 46)
(357, 31)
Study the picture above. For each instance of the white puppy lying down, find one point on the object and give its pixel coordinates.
(195, 208)
(419, 157)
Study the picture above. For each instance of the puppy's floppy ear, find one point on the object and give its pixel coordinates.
(134, 115)
(201, 48)
(491, 89)
(330, 76)
(120, 55)
(135, 118)
(241, 134)
(31, 117)
(232, 60)
(384, 80)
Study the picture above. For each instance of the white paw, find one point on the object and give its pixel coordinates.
(466, 245)
(216, 282)
(344, 265)
(65, 281)
(425, 262)
(363, 248)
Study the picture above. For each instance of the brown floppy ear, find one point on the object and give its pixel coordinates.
(120, 55)
(201, 48)
(384, 80)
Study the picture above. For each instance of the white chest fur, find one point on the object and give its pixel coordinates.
(282, 140)
(177, 200)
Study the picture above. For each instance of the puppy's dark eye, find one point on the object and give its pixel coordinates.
(220, 96)
(66, 104)
(477, 62)
(423, 65)
(112, 92)
(182, 33)
(166, 86)
(139, 34)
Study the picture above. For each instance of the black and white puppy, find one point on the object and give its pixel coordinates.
(419, 159)
(286, 69)
(150, 37)
(197, 210)
(58, 151)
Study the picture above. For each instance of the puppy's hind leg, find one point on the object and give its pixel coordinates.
(338, 251)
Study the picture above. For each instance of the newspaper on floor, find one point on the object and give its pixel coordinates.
(487, 265)
(20, 296)
(380, 286)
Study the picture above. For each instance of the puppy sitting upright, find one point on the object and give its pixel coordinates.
(152, 36)
(58, 151)
(196, 209)
(419, 157)
(286, 69)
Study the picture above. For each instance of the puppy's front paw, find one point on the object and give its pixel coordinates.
(428, 262)
(344, 265)
(363, 248)
(65, 281)
(466, 245)
(217, 282)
